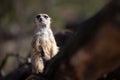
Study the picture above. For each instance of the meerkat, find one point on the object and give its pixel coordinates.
(44, 46)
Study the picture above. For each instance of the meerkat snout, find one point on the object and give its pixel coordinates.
(38, 17)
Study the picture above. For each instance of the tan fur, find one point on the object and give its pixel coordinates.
(43, 45)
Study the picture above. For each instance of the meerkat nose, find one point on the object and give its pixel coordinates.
(39, 18)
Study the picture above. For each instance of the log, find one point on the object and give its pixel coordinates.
(93, 51)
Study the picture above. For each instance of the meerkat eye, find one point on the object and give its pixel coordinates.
(45, 16)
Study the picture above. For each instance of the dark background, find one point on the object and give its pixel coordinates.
(17, 23)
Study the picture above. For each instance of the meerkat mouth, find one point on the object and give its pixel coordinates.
(40, 20)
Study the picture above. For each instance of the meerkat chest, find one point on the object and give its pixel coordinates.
(44, 34)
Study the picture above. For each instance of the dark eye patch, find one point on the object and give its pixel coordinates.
(45, 16)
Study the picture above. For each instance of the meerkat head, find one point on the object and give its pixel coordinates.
(42, 20)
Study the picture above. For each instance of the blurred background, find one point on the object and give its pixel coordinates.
(17, 24)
